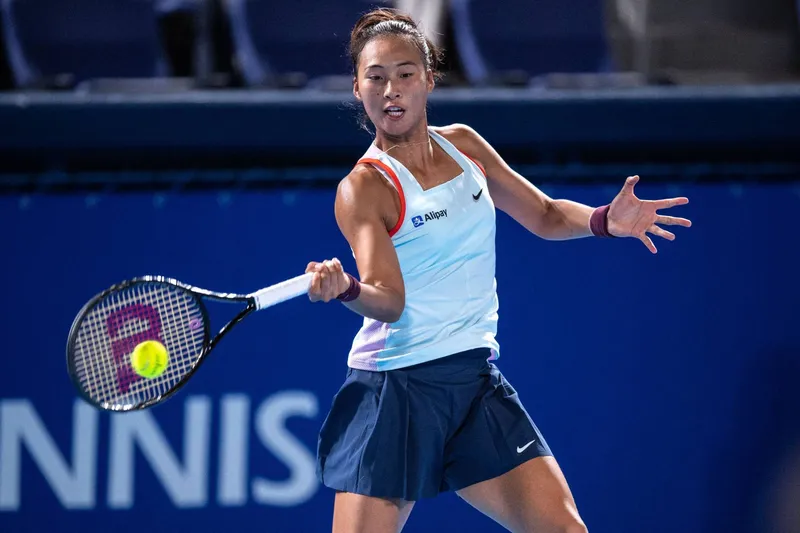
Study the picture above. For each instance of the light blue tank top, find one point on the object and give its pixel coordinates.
(445, 244)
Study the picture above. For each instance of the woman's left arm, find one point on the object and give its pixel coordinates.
(626, 216)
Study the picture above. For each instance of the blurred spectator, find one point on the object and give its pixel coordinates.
(178, 23)
(706, 41)
(435, 20)
(430, 14)
(197, 41)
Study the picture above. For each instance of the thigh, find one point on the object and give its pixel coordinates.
(355, 513)
(532, 497)
(496, 436)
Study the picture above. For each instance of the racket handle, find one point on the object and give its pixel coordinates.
(280, 292)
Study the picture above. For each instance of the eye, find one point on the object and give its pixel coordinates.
(406, 74)
(374, 77)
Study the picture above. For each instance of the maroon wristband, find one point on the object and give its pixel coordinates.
(352, 291)
(598, 222)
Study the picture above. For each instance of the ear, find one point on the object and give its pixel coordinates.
(430, 81)
(356, 92)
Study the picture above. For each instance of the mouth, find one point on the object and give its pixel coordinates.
(395, 112)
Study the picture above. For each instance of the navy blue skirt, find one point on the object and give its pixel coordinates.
(414, 432)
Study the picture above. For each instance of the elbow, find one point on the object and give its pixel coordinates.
(394, 311)
(551, 223)
(388, 317)
(542, 218)
(381, 302)
(394, 314)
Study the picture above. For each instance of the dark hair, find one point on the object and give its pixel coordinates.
(386, 21)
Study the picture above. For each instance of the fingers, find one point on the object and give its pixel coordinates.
(661, 232)
(334, 265)
(670, 202)
(655, 230)
(673, 221)
(647, 242)
(629, 183)
(326, 283)
(314, 290)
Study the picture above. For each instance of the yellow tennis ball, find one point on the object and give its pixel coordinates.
(149, 359)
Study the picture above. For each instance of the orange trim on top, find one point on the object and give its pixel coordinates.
(383, 166)
(474, 161)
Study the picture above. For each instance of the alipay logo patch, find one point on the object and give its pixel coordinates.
(417, 221)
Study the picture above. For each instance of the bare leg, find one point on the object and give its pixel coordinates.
(533, 497)
(355, 513)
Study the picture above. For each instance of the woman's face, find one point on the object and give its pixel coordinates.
(393, 84)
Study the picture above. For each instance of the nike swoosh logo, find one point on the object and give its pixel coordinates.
(521, 449)
(477, 196)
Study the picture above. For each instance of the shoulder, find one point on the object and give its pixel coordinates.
(364, 179)
(365, 190)
(457, 133)
(467, 141)
(464, 138)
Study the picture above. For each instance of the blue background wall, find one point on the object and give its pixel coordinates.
(665, 384)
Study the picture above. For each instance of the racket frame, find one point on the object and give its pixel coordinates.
(209, 343)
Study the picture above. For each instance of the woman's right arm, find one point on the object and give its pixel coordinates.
(365, 207)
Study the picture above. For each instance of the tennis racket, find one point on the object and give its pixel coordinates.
(114, 322)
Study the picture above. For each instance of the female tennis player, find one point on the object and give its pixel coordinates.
(422, 409)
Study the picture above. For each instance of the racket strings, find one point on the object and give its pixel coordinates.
(110, 331)
(183, 352)
(96, 350)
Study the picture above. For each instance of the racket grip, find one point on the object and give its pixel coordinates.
(280, 292)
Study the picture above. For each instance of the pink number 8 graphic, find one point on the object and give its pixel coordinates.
(121, 348)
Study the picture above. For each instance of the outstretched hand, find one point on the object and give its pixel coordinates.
(628, 216)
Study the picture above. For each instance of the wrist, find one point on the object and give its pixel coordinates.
(353, 290)
(598, 222)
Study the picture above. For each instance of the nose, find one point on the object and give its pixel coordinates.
(390, 92)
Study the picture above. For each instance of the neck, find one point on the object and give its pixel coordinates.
(414, 149)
